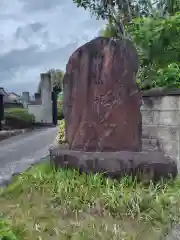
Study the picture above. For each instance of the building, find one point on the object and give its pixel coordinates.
(10, 99)
(14, 97)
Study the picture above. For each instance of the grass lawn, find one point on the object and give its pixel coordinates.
(43, 204)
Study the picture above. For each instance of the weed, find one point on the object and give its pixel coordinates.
(49, 204)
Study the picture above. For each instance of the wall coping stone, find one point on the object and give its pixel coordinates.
(159, 92)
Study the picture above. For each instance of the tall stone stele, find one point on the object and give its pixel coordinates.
(46, 97)
(25, 99)
(101, 99)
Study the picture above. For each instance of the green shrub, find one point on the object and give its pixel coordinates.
(6, 232)
(61, 133)
(168, 77)
(59, 109)
(158, 43)
(18, 118)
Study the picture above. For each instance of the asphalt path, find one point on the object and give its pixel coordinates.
(18, 153)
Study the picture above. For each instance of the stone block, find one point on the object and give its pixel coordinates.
(145, 165)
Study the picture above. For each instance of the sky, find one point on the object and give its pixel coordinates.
(37, 35)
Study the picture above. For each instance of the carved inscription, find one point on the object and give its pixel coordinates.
(98, 103)
(97, 69)
(104, 104)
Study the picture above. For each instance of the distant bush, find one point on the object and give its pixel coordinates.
(60, 109)
(18, 118)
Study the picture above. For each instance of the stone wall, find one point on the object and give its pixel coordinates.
(36, 110)
(161, 119)
(13, 105)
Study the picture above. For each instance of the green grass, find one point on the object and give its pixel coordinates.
(44, 204)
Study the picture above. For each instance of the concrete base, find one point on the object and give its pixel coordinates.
(145, 166)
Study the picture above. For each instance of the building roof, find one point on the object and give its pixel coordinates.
(3, 92)
(8, 96)
(12, 93)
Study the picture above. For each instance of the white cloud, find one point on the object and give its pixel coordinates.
(37, 35)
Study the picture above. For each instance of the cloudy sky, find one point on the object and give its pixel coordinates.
(37, 35)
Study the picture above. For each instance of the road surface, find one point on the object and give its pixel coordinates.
(19, 152)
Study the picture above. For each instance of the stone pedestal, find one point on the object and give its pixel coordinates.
(145, 166)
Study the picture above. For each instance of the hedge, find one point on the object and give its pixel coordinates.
(18, 118)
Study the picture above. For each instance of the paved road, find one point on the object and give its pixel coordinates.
(19, 152)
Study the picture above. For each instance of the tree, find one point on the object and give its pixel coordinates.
(158, 40)
(168, 7)
(120, 13)
(158, 44)
(57, 78)
(110, 10)
(154, 27)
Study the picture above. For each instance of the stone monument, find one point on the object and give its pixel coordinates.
(41, 108)
(25, 99)
(102, 114)
(101, 99)
(46, 98)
